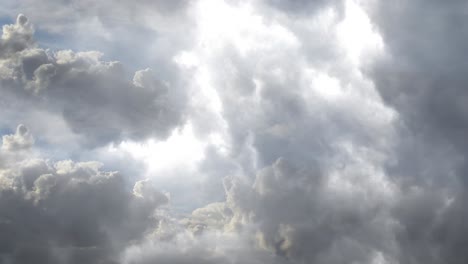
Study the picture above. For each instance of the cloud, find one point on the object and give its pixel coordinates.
(56, 17)
(304, 139)
(325, 151)
(345, 222)
(93, 97)
(69, 212)
(422, 76)
(310, 135)
(16, 37)
(303, 8)
(22, 139)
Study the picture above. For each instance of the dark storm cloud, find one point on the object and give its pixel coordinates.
(424, 77)
(67, 212)
(94, 97)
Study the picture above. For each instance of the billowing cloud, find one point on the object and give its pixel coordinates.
(69, 212)
(94, 97)
(22, 139)
(311, 137)
(310, 132)
(423, 76)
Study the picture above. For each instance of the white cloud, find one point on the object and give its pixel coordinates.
(22, 139)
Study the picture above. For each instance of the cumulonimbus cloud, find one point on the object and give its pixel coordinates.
(326, 157)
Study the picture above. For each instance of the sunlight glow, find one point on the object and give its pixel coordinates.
(357, 34)
(182, 148)
(221, 24)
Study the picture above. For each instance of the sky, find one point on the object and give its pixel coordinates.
(233, 132)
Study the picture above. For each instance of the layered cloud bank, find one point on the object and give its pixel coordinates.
(259, 132)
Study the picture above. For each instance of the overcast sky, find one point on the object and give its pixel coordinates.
(234, 132)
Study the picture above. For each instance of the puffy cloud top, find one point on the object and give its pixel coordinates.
(92, 96)
(22, 139)
(67, 212)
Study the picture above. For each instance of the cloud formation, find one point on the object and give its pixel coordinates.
(313, 145)
(304, 130)
(93, 97)
(22, 139)
(423, 76)
(68, 212)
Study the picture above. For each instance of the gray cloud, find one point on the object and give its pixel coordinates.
(16, 37)
(77, 13)
(423, 76)
(303, 219)
(312, 187)
(324, 161)
(304, 8)
(139, 33)
(69, 212)
(92, 96)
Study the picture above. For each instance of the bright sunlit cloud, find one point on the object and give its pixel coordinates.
(356, 33)
(181, 149)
